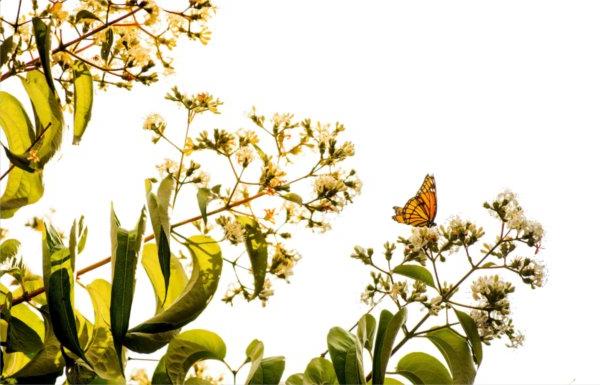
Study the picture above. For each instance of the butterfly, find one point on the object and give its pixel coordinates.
(420, 210)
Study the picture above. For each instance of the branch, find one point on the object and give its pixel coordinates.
(34, 293)
(64, 46)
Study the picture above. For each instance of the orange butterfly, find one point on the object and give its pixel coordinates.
(420, 210)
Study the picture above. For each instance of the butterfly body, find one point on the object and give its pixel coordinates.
(421, 209)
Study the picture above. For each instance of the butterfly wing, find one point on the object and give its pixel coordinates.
(421, 209)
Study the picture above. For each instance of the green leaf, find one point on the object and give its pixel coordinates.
(366, 331)
(422, 368)
(22, 338)
(415, 272)
(8, 249)
(42, 34)
(295, 379)
(389, 325)
(346, 354)
(85, 14)
(254, 354)
(160, 377)
(125, 251)
(456, 352)
(203, 196)
(49, 115)
(84, 98)
(470, 328)
(189, 347)
(158, 207)
(47, 362)
(176, 284)
(319, 371)
(22, 188)
(269, 371)
(207, 264)
(101, 350)
(293, 197)
(107, 44)
(6, 49)
(256, 246)
(58, 275)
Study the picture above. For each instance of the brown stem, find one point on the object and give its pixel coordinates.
(150, 237)
(64, 46)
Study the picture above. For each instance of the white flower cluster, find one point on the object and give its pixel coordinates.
(422, 237)
(493, 316)
(508, 209)
(328, 184)
(234, 232)
(283, 261)
(245, 155)
(531, 271)
(155, 122)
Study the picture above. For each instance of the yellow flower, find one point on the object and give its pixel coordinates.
(204, 35)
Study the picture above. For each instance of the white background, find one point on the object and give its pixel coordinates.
(486, 95)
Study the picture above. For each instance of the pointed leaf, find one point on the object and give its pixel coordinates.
(256, 246)
(455, 350)
(422, 368)
(49, 114)
(160, 377)
(207, 264)
(22, 188)
(42, 33)
(470, 329)
(415, 272)
(319, 371)
(346, 354)
(189, 347)
(125, 251)
(203, 196)
(84, 98)
(107, 44)
(85, 14)
(254, 354)
(389, 325)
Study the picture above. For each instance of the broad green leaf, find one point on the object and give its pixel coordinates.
(457, 354)
(346, 354)
(77, 238)
(256, 246)
(177, 282)
(101, 351)
(22, 188)
(125, 251)
(295, 379)
(6, 49)
(28, 341)
(319, 371)
(415, 272)
(156, 332)
(470, 328)
(42, 33)
(84, 98)
(203, 196)
(269, 371)
(366, 331)
(47, 362)
(22, 338)
(388, 328)
(49, 115)
(9, 248)
(196, 381)
(422, 368)
(254, 354)
(189, 347)
(158, 207)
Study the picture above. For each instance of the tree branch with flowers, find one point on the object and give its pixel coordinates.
(280, 173)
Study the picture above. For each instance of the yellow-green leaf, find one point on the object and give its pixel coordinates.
(22, 188)
(457, 354)
(422, 368)
(84, 98)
